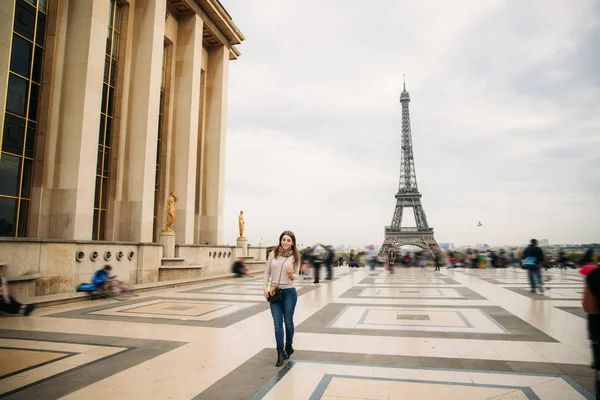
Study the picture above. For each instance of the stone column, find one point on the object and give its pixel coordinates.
(71, 210)
(214, 146)
(185, 123)
(6, 14)
(47, 135)
(137, 206)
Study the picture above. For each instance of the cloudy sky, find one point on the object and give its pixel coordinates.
(505, 110)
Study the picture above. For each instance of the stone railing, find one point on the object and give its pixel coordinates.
(58, 266)
(42, 267)
(219, 259)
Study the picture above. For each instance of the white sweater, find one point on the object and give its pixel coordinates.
(274, 270)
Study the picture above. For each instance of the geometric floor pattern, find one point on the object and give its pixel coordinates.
(452, 334)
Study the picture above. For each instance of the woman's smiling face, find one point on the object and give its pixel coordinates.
(286, 242)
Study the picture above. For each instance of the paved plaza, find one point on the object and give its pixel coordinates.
(453, 334)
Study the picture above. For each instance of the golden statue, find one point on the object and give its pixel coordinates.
(241, 224)
(171, 211)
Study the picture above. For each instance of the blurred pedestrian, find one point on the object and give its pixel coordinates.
(587, 258)
(317, 261)
(406, 260)
(452, 260)
(591, 296)
(306, 260)
(438, 261)
(562, 259)
(422, 260)
(474, 259)
(392, 259)
(372, 257)
(351, 261)
(238, 268)
(533, 258)
(329, 260)
(9, 304)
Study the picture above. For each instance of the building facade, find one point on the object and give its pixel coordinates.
(108, 106)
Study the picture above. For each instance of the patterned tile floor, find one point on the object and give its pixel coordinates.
(453, 334)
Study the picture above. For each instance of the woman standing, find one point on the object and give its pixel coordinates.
(282, 264)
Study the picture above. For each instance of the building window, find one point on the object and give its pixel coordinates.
(159, 138)
(106, 121)
(20, 118)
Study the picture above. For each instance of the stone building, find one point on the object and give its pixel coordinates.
(107, 107)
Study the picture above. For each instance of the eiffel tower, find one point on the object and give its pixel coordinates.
(408, 196)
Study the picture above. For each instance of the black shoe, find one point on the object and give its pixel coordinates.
(29, 309)
(316, 282)
(281, 357)
(289, 349)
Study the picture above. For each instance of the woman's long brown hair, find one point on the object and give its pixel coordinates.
(294, 248)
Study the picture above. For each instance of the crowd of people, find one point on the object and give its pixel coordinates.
(313, 259)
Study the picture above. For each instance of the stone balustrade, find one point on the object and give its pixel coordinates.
(42, 267)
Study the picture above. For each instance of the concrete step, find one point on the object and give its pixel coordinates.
(182, 266)
(61, 298)
(172, 261)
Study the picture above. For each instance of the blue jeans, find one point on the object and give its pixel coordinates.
(284, 311)
(372, 263)
(535, 274)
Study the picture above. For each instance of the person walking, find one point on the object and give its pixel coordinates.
(533, 258)
(562, 260)
(474, 259)
(317, 261)
(587, 258)
(351, 262)
(279, 290)
(329, 260)
(438, 262)
(591, 297)
(9, 304)
(452, 260)
(422, 260)
(306, 260)
(372, 255)
(392, 259)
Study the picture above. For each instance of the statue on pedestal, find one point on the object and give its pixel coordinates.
(171, 211)
(241, 224)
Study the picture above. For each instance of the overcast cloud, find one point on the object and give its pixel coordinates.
(505, 110)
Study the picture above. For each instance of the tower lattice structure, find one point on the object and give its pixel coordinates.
(408, 196)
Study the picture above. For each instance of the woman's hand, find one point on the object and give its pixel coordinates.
(290, 272)
(266, 293)
(272, 290)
